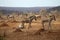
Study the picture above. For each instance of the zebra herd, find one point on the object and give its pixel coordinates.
(29, 20)
(48, 20)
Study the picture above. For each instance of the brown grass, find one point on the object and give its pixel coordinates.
(33, 33)
(4, 25)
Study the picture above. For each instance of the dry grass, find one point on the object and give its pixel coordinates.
(4, 25)
(33, 33)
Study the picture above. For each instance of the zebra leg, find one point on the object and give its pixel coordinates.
(29, 25)
(50, 28)
(43, 25)
(22, 25)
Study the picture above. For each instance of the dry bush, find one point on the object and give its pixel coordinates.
(4, 24)
(14, 21)
(43, 12)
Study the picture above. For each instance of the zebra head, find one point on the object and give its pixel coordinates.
(33, 17)
(53, 17)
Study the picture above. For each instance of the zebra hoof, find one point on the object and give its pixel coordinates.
(43, 29)
(49, 31)
(18, 30)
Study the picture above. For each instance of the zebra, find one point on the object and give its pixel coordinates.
(38, 16)
(48, 20)
(28, 20)
(10, 16)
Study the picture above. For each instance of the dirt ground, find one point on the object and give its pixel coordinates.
(33, 33)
